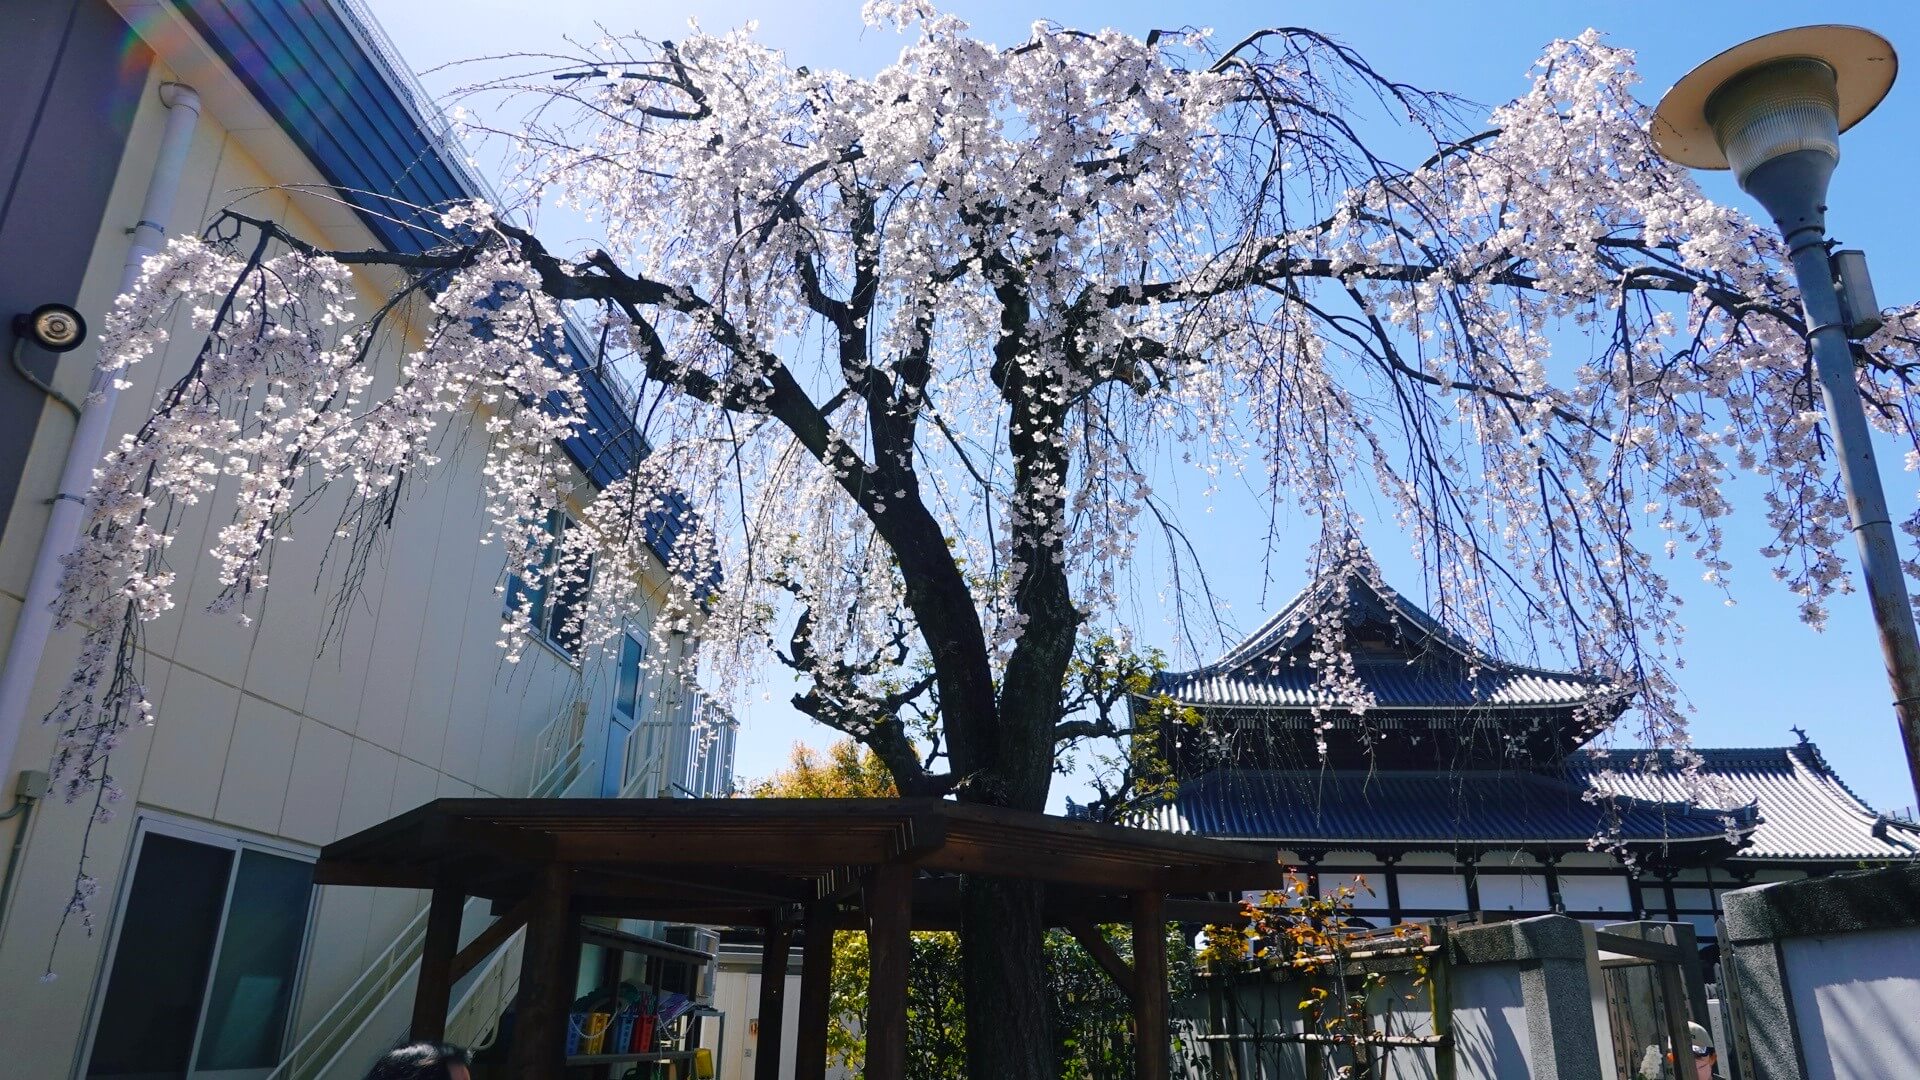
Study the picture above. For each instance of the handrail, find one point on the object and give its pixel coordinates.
(474, 1021)
(702, 729)
(356, 1005)
(557, 751)
(636, 769)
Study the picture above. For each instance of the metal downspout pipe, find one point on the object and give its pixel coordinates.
(35, 625)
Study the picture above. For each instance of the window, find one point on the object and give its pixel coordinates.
(626, 692)
(207, 952)
(553, 608)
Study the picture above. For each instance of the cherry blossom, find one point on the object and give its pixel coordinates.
(925, 351)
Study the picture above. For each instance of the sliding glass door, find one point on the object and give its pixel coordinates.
(205, 959)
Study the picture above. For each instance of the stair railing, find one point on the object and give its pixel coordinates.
(558, 751)
(474, 1020)
(335, 1030)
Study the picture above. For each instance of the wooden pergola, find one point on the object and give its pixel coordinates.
(886, 866)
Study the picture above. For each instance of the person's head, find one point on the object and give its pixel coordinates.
(422, 1061)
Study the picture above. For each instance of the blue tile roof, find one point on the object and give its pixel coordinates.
(1425, 666)
(1784, 802)
(1411, 807)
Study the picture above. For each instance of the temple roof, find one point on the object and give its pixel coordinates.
(1406, 807)
(1403, 656)
(1779, 803)
(1392, 686)
(1806, 812)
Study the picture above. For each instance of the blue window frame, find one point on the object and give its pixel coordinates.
(553, 609)
(626, 690)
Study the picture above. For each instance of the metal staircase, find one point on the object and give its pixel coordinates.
(396, 966)
(474, 1020)
(559, 752)
(368, 1017)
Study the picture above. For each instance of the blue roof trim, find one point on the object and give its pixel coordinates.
(1430, 807)
(306, 66)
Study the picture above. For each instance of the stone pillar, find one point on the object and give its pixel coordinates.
(1551, 954)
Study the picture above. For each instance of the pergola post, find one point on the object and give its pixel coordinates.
(816, 984)
(773, 996)
(889, 945)
(1150, 1044)
(546, 980)
(433, 992)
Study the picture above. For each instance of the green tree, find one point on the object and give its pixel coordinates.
(845, 771)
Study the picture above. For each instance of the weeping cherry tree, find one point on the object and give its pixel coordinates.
(926, 350)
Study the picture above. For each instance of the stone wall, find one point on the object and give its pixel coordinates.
(1825, 975)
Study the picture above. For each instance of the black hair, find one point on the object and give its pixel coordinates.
(419, 1061)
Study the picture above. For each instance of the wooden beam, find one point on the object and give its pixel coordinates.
(491, 938)
(889, 903)
(816, 984)
(1151, 1046)
(492, 839)
(773, 997)
(666, 911)
(546, 981)
(1640, 948)
(1092, 940)
(698, 885)
(1673, 1001)
(433, 993)
(622, 941)
(1247, 877)
(374, 875)
(771, 849)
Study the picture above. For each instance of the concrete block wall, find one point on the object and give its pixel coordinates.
(1825, 976)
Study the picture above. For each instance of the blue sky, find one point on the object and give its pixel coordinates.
(1753, 670)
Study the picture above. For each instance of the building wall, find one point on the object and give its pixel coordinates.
(71, 79)
(272, 731)
(1591, 885)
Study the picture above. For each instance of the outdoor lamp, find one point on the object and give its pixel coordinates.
(53, 327)
(1772, 110)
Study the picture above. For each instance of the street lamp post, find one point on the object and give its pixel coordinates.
(1772, 110)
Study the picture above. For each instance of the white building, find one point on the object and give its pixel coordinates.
(212, 955)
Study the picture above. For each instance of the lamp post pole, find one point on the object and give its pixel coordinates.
(1772, 110)
(1860, 473)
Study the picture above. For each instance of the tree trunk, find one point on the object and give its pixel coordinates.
(1009, 1031)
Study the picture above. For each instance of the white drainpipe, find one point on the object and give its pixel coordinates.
(35, 626)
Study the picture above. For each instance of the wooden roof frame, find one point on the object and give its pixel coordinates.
(886, 866)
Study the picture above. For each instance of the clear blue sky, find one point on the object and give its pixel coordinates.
(1752, 670)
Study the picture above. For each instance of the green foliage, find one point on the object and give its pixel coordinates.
(1092, 1018)
(845, 771)
(1124, 723)
(1314, 940)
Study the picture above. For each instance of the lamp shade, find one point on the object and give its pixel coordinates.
(1776, 91)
